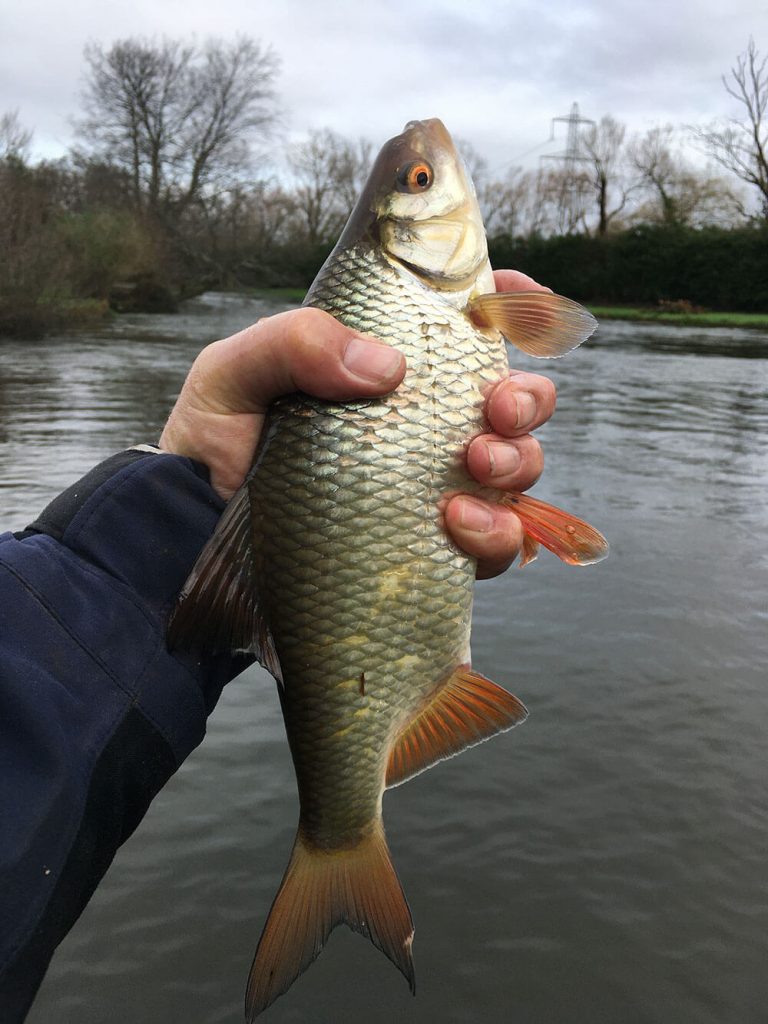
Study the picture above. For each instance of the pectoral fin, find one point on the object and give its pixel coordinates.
(218, 609)
(539, 323)
(465, 711)
(571, 539)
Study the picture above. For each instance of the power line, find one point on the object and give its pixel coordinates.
(521, 156)
(572, 153)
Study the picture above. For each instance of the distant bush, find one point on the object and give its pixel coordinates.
(710, 267)
(704, 268)
(58, 265)
(285, 265)
(701, 268)
(105, 247)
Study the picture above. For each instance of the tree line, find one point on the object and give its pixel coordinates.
(178, 182)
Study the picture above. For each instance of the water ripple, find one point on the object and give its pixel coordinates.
(614, 843)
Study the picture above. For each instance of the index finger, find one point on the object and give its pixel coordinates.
(516, 281)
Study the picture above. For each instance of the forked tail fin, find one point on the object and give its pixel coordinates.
(322, 888)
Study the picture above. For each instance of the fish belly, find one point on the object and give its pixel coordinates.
(369, 602)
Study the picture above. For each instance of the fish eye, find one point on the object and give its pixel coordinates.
(415, 177)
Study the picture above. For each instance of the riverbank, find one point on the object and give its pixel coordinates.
(36, 320)
(40, 319)
(684, 318)
(705, 318)
(275, 294)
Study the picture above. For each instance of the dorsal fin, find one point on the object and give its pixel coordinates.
(465, 711)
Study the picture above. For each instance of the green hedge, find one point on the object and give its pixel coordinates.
(709, 267)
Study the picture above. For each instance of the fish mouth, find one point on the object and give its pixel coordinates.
(432, 130)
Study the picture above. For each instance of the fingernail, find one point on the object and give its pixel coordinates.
(475, 516)
(526, 408)
(504, 458)
(371, 361)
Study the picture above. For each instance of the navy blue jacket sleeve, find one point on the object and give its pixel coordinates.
(95, 713)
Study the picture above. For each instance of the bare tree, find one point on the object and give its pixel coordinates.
(271, 209)
(741, 145)
(542, 202)
(329, 171)
(15, 139)
(660, 169)
(179, 118)
(34, 263)
(602, 145)
(243, 226)
(708, 199)
(678, 192)
(501, 197)
(504, 203)
(566, 195)
(523, 203)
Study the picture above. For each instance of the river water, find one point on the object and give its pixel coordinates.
(606, 862)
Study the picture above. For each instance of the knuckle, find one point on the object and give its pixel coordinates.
(542, 387)
(313, 331)
(533, 460)
(302, 322)
(511, 530)
(548, 392)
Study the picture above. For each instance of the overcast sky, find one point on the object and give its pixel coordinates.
(495, 72)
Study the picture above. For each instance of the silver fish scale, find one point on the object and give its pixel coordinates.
(368, 601)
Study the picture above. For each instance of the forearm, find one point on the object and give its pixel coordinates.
(95, 714)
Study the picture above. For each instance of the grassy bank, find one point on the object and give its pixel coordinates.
(687, 319)
(279, 294)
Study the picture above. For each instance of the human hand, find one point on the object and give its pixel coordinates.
(220, 412)
(509, 459)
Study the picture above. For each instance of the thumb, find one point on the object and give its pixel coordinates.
(298, 350)
(219, 414)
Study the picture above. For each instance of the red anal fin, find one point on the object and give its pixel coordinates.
(322, 888)
(571, 539)
(541, 324)
(217, 609)
(465, 711)
(530, 550)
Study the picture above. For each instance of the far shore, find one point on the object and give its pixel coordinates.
(703, 318)
(83, 314)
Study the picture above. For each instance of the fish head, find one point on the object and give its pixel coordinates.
(420, 209)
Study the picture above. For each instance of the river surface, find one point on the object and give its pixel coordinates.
(607, 861)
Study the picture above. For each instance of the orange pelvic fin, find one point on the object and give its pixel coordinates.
(571, 539)
(467, 710)
(539, 323)
(322, 888)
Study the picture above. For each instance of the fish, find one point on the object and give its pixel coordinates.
(332, 566)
